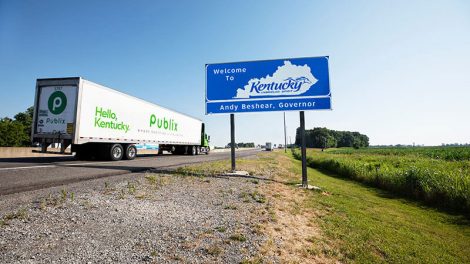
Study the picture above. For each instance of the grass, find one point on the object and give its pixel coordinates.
(21, 214)
(221, 229)
(369, 225)
(439, 153)
(214, 250)
(262, 165)
(417, 173)
(254, 260)
(156, 180)
(230, 207)
(238, 237)
(131, 188)
(258, 197)
(357, 223)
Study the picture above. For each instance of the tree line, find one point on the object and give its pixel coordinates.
(321, 137)
(242, 145)
(16, 132)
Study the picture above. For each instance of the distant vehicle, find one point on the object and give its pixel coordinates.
(280, 146)
(98, 121)
(269, 146)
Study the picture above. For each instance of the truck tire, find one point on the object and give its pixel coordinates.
(193, 150)
(116, 152)
(198, 150)
(131, 152)
(80, 155)
(207, 150)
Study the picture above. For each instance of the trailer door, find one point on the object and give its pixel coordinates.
(56, 110)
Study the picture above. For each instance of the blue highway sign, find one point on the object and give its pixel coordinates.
(271, 85)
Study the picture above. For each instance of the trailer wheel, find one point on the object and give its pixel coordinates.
(80, 155)
(193, 150)
(116, 152)
(198, 150)
(131, 152)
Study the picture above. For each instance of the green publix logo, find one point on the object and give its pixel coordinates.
(167, 124)
(106, 118)
(57, 102)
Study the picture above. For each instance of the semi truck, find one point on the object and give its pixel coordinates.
(100, 122)
(269, 146)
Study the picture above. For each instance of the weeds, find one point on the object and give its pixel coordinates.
(131, 187)
(21, 214)
(230, 207)
(156, 181)
(258, 197)
(238, 237)
(122, 194)
(214, 250)
(64, 194)
(245, 197)
(220, 229)
(254, 260)
(439, 176)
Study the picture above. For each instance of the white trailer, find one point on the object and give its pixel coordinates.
(99, 122)
(269, 146)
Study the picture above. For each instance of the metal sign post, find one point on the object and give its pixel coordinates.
(303, 150)
(285, 136)
(232, 140)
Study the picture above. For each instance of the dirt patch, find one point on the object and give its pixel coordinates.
(293, 234)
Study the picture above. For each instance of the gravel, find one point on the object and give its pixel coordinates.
(131, 218)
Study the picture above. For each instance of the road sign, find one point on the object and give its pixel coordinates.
(271, 85)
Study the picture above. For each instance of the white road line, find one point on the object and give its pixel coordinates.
(69, 164)
(29, 167)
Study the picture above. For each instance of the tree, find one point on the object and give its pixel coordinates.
(319, 137)
(16, 133)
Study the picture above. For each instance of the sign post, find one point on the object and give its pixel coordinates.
(303, 150)
(295, 84)
(285, 135)
(232, 141)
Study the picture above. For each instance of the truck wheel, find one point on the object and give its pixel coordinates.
(131, 152)
(198, 150)
(116, 152)
(207, 150)
(80, 155)
(193, 150)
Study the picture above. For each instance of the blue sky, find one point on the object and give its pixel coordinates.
(399, 70)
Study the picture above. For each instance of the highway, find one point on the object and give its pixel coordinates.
(27, 174)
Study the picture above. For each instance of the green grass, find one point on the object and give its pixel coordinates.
(369, 225)
(238, 237)
(406, 171)
(439, 153)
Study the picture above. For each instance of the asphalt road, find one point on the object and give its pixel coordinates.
(27, 174)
